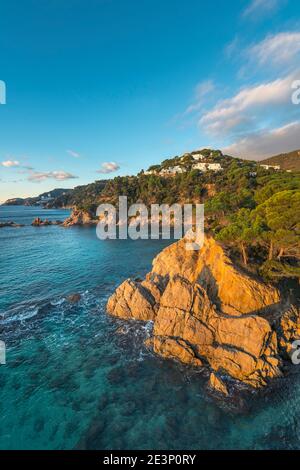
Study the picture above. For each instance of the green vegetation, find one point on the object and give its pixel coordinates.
(253, 211)
(287, 161)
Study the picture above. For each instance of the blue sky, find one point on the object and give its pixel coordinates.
(101, 88)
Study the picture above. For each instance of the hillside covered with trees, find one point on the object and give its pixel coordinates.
(253, 211)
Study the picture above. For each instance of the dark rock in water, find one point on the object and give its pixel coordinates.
(39, 424)
(128, 408)
(76, 405)
(10, 224)
(114, 376)
(104, 401)
(54, 432)
(43, 223)
(70, 429)
(93, 436)
(37, 222)
(74, 298)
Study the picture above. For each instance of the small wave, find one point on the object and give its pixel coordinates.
(20, 315)
(58, 302)
(148, 327)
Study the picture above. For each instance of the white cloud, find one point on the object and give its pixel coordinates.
(201, 90)
(278, 49)
(108, 167)
(57, 175)
(248, 106)
(261, 7)
(10, 163)
(267, 143)
(73, 153)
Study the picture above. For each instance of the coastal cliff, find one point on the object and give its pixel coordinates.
(209, 313)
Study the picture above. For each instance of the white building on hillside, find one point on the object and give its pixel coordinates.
(172, 170)
(203, 166)
(274, 167)
(198, 156)
(200, 166)
(215, 166)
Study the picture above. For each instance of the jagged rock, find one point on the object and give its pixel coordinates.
(37, 222)
(206, 312)
(217, 384)
(289, 329)
(79, 217)
(44, 223)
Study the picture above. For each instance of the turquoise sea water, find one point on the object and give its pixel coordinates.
(77, 378)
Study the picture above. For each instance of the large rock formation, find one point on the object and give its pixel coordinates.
(206, 312)
(79, 217)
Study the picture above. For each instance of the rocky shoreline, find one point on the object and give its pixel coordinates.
(76, 218)
(208, 313)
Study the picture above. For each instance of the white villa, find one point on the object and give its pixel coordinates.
(202, 166)
(274, 167)
(172, 170)
(198, 156)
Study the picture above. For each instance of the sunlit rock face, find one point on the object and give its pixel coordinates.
(206, 313)
(79, 217)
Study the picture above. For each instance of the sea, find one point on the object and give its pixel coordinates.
(77, 378)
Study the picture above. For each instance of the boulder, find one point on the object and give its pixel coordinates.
(74, 298)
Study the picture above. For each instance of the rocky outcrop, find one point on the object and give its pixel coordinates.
(44, 223)
(10, 224)
(79, 217)
(206, 313)
(289, 330)
(135, 300)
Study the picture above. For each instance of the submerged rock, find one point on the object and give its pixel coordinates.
(206, 312)
(10, 223)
